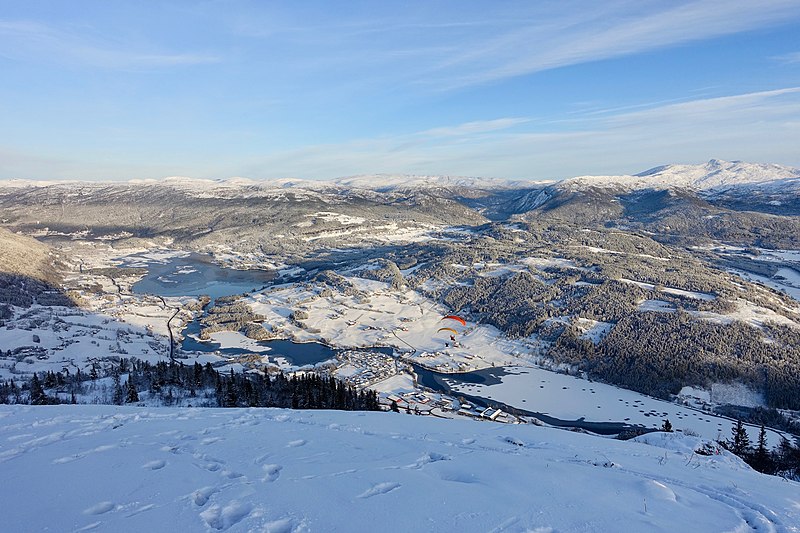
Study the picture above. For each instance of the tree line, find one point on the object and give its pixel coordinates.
(782, 461)
(132, 381)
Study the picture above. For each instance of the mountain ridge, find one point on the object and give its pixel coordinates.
(713, 174)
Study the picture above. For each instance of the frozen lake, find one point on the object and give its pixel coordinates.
(196, 275)
(193, 275)
(564, 400)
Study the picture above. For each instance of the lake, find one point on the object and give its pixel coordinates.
(196, 275)
(441, 382)
(193, 275)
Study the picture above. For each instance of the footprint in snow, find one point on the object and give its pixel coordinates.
(284, 525)
(100, 508)
(296, 443)
(261, 458)
(272, 472)
(200, 496)
(430, 457)
(380, 488)
(158, 464)
(224, 517)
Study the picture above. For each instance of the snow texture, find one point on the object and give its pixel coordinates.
(241, 470)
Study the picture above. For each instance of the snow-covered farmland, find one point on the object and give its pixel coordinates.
(381, 316)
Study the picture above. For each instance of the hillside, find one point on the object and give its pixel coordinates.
(81, 468)
(30, 272)
(25, 256)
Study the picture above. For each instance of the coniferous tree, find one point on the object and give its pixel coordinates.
(740, 444)
(231, 392)
(118, 395)
(761, 459)
(132, 395)
(38, 396)
(667, 426)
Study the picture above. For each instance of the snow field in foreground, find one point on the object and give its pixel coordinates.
(74, 468)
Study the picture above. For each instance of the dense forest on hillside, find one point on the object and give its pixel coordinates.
(658, 353)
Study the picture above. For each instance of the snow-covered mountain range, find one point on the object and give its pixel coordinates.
(714, 174)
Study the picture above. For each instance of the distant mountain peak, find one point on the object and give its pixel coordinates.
(715, 174)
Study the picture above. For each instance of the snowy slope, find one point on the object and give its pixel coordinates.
(105, 468)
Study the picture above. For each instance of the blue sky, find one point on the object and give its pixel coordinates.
(528, 90)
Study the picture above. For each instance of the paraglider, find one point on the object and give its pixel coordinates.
(456, 318)
(456, 330)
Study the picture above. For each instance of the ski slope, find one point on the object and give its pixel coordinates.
(106, 468)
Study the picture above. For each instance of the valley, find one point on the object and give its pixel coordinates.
(565, 308)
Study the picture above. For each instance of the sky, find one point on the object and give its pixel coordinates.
(97, 90)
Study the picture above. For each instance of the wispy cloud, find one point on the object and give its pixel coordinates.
(605, 30)
(444, 49)
(471, 128)
(793, 57)
(758, 126)
(29, 40)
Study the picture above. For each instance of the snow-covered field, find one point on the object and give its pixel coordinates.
(54, 338)
(403, 319)
(786, 279)
(105, 468)
(572, 398)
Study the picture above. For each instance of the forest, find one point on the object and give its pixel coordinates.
(133, 381)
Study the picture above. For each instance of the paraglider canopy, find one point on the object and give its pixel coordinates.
(456, 318)
(447, 329)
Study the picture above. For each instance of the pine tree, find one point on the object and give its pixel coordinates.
(118, 395)
(667, 426)
(132, 395)
(740, 444)
(761, 458)
(38, 396)
(231, 392)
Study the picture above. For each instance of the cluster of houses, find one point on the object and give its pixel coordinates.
(362, 368)
(424, 403)
(486, 413)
